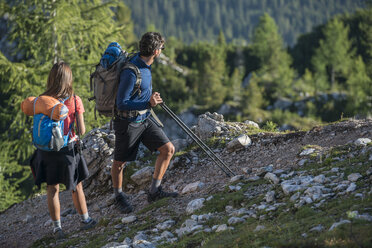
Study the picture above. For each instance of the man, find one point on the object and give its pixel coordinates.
(133, 123)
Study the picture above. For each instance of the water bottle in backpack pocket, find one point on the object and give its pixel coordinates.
(48, 134)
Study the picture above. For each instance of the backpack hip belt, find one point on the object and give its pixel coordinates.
(131, 113)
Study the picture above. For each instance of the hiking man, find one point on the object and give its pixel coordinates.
(133, 123)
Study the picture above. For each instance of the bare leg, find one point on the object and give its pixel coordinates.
(117, 174)
(163, 159)
(53, 201)
(78, 197)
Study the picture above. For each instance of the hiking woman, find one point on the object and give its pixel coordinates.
(65, 166)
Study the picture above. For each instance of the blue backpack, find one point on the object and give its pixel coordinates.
(47, 134)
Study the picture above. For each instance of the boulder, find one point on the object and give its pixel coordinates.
(194, 205)
(192, 187)
(239, 143)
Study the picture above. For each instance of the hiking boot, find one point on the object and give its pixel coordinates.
(159, 194)
(123, 203)
(85, 225)
(58, 233)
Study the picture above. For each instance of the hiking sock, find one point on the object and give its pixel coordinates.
(57, 225)
(117, 191)
(154, 185)
(85, 217)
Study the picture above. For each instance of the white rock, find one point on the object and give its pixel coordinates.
(334, 225)
(235, 220)
(251, 123)
(221, 228)
(270, 196)
(259, 228)
(295, 196)
(288, 188)
(166, 224)
(351, 188)
(302, 162)
(192, 187)
(115, 245)
(354, 177)
(362, 141)
(317, 228)
(209, 198)
(272, 177)
(167, 235)
(143, 175)
(320, 179)
(241, 142)
(194, 205)
(143, 244)
(236, 178)
(140, 236)
(129, 219)
(307, 152)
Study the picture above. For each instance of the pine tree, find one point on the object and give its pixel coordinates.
(211, 75)
(274, 60)
(76, 31)
(359, 86)
(333, 56)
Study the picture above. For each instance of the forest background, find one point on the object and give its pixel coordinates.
(282, 63)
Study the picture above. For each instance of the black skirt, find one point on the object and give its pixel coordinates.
(65, 166)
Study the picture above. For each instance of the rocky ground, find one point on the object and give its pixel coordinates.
(276, 172)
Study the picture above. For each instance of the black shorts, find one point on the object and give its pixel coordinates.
(130, 134)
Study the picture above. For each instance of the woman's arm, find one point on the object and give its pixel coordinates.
(80, 120)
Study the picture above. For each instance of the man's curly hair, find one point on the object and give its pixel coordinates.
(149, 42)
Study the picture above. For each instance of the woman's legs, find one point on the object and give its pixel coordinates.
(78, 198)
(53, 201)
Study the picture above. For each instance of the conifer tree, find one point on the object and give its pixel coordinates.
(209, 63)
(75, 31)
(274, 60)
(333, 56)
(359, 86)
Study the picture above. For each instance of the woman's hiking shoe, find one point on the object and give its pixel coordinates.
(58, 233)
(90, 223)
(159, 194)
(123, 203)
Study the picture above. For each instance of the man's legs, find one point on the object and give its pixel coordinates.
(161, 165)
(117, 183)
(117, 175)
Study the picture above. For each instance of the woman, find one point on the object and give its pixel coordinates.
(65, 166)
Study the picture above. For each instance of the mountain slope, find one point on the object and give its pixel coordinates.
(289, 183)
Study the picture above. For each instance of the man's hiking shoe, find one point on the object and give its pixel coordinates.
(85, 225)
(58, 233)
(160, 194)
(123, 203)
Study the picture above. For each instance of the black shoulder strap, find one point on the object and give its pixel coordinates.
(137, 86)
(77, 127)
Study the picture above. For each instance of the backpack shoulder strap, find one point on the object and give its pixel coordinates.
(137, 86)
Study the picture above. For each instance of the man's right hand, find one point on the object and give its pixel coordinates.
(155, 99)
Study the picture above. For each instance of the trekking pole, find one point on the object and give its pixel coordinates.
(201, 144)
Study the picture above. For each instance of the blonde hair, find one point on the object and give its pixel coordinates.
(59, 84)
